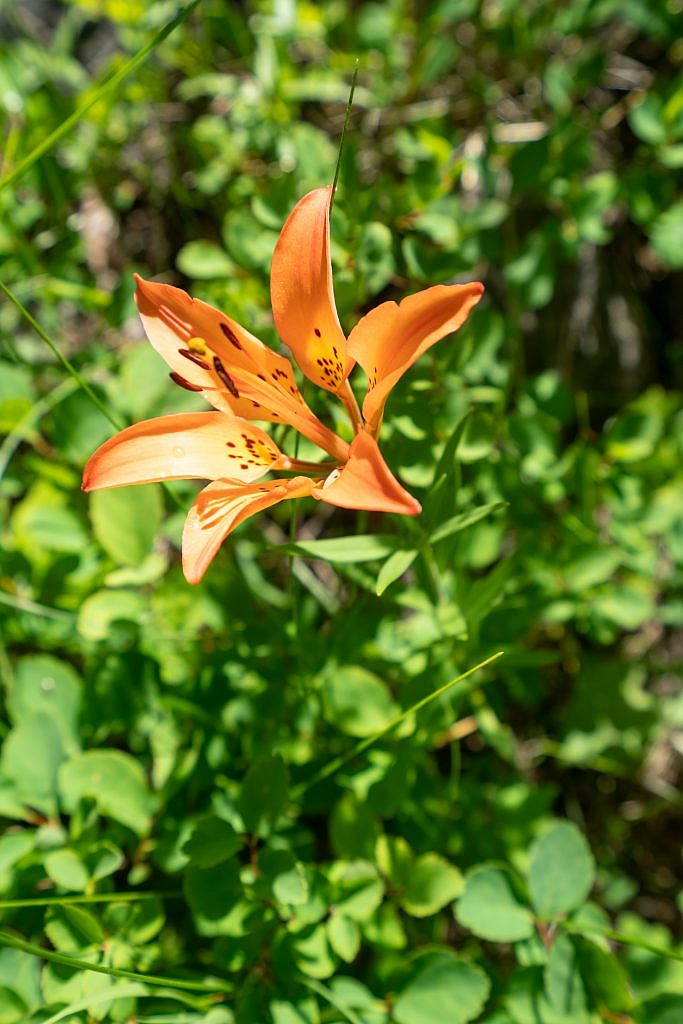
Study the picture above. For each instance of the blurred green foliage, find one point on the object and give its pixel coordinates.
(470, 864)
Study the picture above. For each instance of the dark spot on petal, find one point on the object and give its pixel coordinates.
(316, 332)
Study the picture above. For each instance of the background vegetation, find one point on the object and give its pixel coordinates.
(198, 746)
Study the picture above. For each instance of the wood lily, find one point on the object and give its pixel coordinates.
(244, 380)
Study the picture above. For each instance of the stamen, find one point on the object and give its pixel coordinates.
(230, 335)
(197, 360)
(182, 383)
(225, 377)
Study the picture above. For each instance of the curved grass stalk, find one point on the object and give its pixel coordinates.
(114, 972)
(103, 897)
(110, 82)
(66, 363)
(333, 766)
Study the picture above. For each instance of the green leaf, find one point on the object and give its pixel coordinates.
(432, 883)
(43, 684)
(204, 260)
(102, 609)
(561, 872)
(31, 756)
(356, 701)
(66, 868)
(491, 908)
(464, 519)
(126, 521)
(442, 987)
(563, 984)
(285, 876)
(115, 781)
(264, 793)
(339, 550)
(667, 232)
(358, 889)
(211, 841)
(394, 567)
(603, 976)
(344, 936)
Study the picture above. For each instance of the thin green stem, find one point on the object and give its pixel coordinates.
(325, 993)
(23, 604)
(110, 82)
(66, 363)
(623, 940)
(349, 104)
(114, 972)
(102, 897)
(333, 766)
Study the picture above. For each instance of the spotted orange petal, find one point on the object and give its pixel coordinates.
(390, 338)
(366, 482)
(203, 445)
(202, 346)
(302, 296)
(222, 506)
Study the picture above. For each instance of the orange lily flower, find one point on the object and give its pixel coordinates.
(244, 380)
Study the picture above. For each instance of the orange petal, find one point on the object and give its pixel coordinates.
(390, 338)
(202, 445)
(366, 482)
(222, 506)
(292, 409)
(301, 293)
(203, 347)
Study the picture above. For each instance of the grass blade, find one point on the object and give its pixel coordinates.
(115, 972)
(66, 363)
(339, 762)
(110, 82)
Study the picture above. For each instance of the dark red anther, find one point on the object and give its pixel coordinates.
(197, 360)
(225, 377)
(182, 383)
(230, 335)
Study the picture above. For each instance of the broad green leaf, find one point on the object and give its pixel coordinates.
(115, 781)
(344, 936)
(442, 987)
(561, 872)
(102, 609)
(603, 976)
(667, 232)
(211, 841)
(285, 877)
(432, 883)
(491, 907)
(66, 868)
(264, 793)
(126, 521)
(31, 755)
(43, 684)
(563, 984)
(204, 260)
(356, 701)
